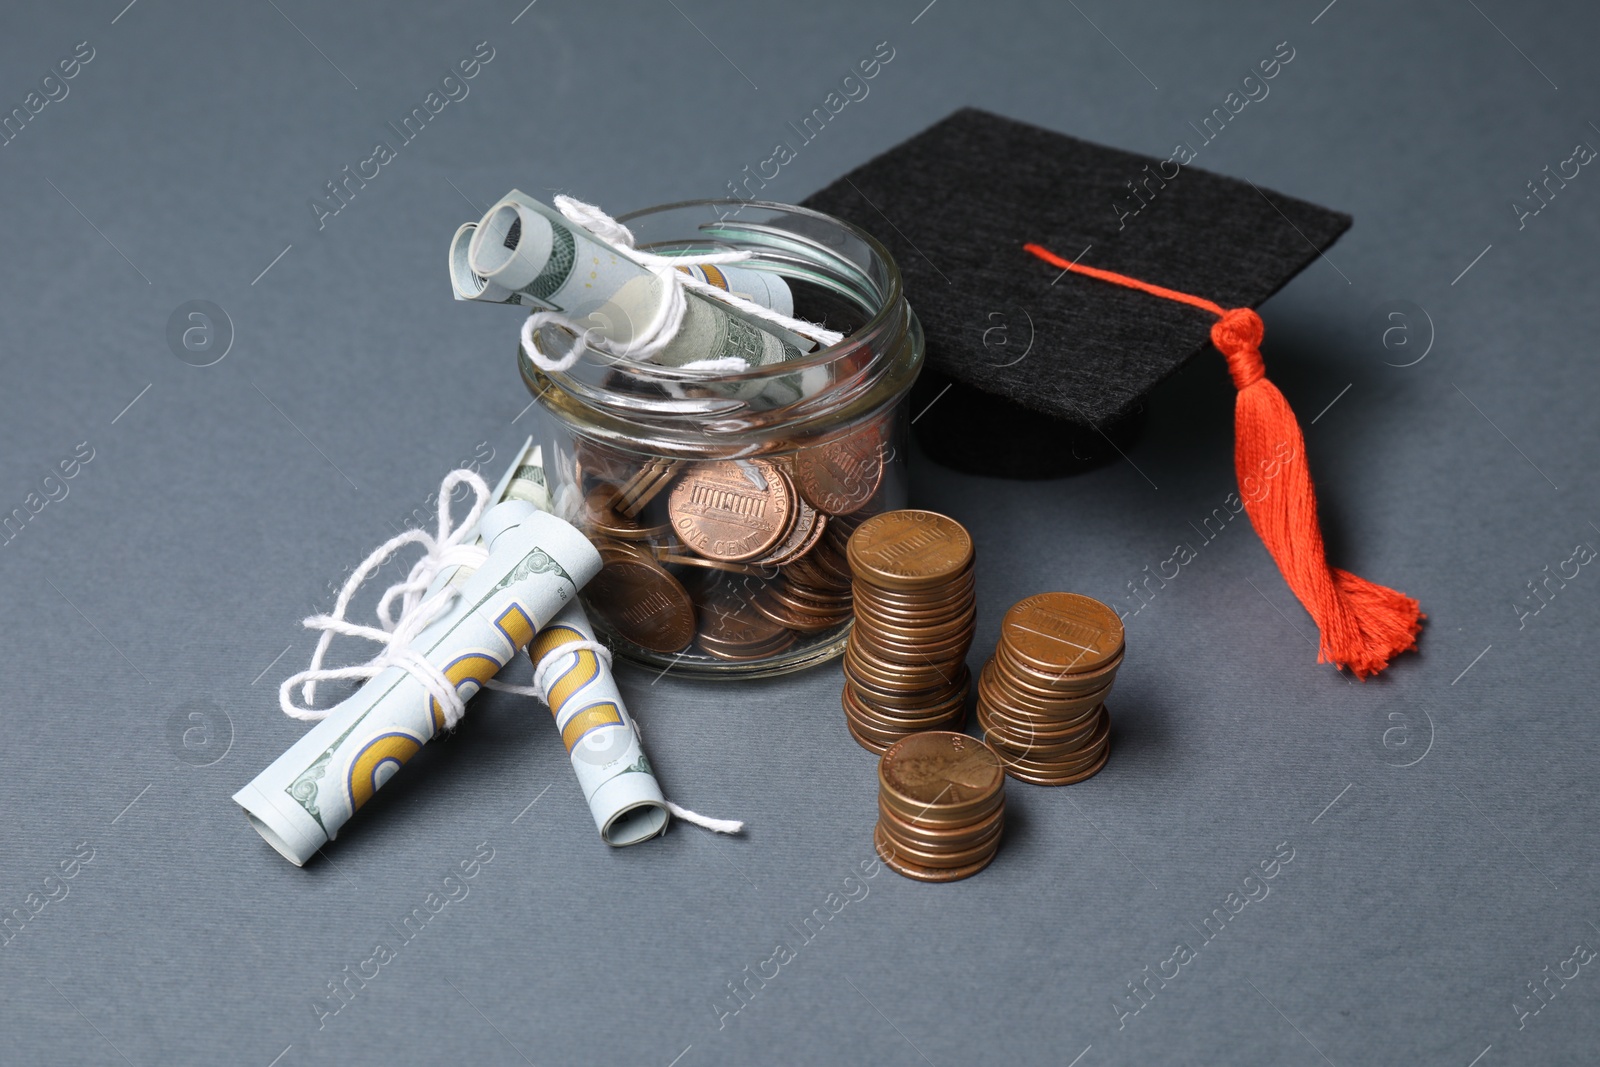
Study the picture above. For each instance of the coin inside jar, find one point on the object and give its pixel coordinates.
(840, 476)
(640, 600)
(732, 510)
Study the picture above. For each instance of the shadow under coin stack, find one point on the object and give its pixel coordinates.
(941, 806)
(905, 665)
(1041, 698)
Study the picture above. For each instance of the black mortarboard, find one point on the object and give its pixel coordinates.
(1123, 266)
(956, 204)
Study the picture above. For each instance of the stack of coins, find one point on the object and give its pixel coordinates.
(941, 806)
(905, 665)
(1041, 699)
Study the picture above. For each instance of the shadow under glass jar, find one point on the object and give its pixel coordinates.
(721, 503)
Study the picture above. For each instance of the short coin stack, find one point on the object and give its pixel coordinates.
(905, 666)
(1041, 699)
(941, 806)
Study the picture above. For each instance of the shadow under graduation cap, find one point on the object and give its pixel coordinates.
(956, 204)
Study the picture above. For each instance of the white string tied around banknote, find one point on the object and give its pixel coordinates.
(541, 691)
(660, 331)
(445, 549)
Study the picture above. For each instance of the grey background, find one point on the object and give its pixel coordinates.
(1440, 816)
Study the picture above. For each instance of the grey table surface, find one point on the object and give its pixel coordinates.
(1439, 818)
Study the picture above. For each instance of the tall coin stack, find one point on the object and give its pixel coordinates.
(941, 806)
(905, 665)
(1041, 698)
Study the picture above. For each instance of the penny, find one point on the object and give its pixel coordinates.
(877, 748)
(899, 865)
(907, 703)
(731, 510)
(749, 654)
(941, 596)
(600, 517)
(1056, 684)
(1030, 703)
(767, 603)
(841, 475)
(727, 619)
(679, 560)
(1047, 778)
(1063, 633)
(942, 773)
(810, 524)
(643, 487)
(642, 601)
(933, 679)
(939, 857)
(923, 834)
(904, 720)
(909, 549)
(1032, 748)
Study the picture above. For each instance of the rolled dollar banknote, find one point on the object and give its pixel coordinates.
(528, 248)
(601, 739)
(762, 287)
(536, 565)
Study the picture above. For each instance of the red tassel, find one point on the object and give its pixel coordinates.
(1363, 625)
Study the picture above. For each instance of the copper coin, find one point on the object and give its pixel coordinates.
(829, 554)
(909, 549)
(931, 679)
(600, 517)
(728, 619)
(914, 852)
(1071, 778)
(879, 735)
(1005, 743)
(643, 487)
(899, 865)
(748, 654)
(1045, 761)
(1047, 731)
(1065, 685)
(918, 639)
(903, 720)
(946, 588)
(944, 660)
(841, 475)
(943, 775)
(810, 525)
(955, 852)
(642, 602)
(1063, 632)
(909, 703)
(877, 748)
(1029, 704)
(779, 613)
(930, 835)
(731, 510)
(951, 597)
(882, 652)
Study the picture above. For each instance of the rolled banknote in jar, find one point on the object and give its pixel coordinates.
(529, 249)
(536, 565)
(759, 286)
(614, 773)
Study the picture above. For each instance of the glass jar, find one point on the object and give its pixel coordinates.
(721, 503)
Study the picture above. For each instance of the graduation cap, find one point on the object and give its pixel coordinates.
(1123, 266)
